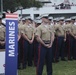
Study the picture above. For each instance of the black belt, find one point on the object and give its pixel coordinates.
(47, 42)
(1, 40)
(75, 34)
(60, 36)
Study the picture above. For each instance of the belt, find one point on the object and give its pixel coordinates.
(68, 32)
(75, 34)
(60, 36)
(30, 39)
(1, 40)
(47, 42)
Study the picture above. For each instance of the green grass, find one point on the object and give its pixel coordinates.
(61, 68)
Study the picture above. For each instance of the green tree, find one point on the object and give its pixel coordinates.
(13, 5)
(9, 4)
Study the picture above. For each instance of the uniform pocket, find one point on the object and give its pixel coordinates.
(44, 31)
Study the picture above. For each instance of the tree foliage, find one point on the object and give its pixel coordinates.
(13, 5)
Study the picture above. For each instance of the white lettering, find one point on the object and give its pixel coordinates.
(11, 33)
(12, 24)
(11, 39)
(12, 47)
(11, 28)
(11, 53)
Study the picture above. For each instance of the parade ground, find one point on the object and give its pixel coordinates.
(60, 68)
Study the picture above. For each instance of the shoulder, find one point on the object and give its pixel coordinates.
(3, 27)
(39, 27)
